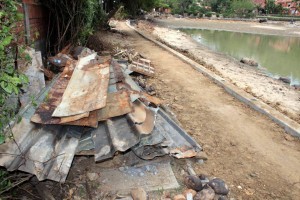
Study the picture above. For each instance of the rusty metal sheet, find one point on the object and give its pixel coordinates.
(146, 97)
(43, 114)
(166, 138)
(118, 72)
(91, 120)
(143, 117)
(117, 104)
(87, 88)
(148, 125)
(139, 113)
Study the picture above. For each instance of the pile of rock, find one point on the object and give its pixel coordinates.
(203, 188)
(249, 62)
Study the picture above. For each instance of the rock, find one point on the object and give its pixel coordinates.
(166, 196)
(200, 161)
(285, 80)
(201, 155)
(262, 20)
(222, 198)
(92, 176)
(253, 175)
(296, 86)
(289, 137)
(138, 194)
(179, 197)
(186, 192)
(219, 186)
(249, 61)
(249, 191)
(126, 198)
(193, 182)
(203, 177)
(205, 194)
(177, 106)
(182, 172)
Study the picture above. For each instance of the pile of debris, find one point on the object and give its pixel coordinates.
(202, 188)
(94, 107)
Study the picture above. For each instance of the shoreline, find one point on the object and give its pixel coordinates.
(294, 82)
(273, 28)
(254, 81)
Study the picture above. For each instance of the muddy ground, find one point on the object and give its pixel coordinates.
(252, 154)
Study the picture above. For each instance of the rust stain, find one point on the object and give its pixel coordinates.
(87, 88)
(147, 97)
(117, 104)
(43, 114)
(119, 75)
(183, 152)
(91, 120)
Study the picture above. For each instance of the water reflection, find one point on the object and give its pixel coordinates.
(279, 55)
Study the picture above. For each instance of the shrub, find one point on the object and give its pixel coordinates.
(208, 14)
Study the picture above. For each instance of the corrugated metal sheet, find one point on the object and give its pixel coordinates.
(44, 150)
(118, 103)
(43, 114)
(48, 150)
(87, 88)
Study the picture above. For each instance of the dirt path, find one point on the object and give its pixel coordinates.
(254, 81)
(244, 147)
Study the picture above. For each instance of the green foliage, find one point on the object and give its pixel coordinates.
(243, 8)
(4, 180)
(208, 14)
(272, 8)
(233, 8)
(220, 6)
(11, 51)
(133, 7)
(72, 22)
(89, 11)
(191, 7)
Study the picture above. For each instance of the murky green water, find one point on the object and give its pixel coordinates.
(280, 56)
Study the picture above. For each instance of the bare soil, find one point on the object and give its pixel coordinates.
(281, 96)
(256, 158)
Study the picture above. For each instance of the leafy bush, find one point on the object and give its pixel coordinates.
(208, 14)
(73, 22)
(243, 8)
(11, 51)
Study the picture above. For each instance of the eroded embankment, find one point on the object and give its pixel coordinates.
(275, 93)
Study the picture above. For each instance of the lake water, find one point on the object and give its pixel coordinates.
(279, 56)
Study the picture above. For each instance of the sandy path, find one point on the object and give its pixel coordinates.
(244, 147)
(271, 91)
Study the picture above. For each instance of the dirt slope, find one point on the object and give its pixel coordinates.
(245, 148)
